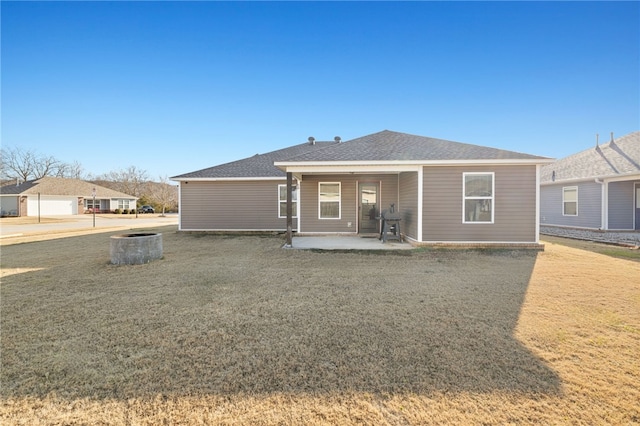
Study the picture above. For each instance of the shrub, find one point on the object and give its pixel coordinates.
(117, 211)
(132, 211)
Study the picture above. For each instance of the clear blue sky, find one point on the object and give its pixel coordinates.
(174, 87)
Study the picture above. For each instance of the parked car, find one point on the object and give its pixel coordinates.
(146, 209)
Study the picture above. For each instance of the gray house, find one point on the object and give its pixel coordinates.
(445, 192)
(598, 188)
(52, 196)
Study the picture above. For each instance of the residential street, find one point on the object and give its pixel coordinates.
(12, 228)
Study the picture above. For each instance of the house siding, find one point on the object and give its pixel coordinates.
(514, 205)
(311, 223)
(621, 208)
(408, 203)
(229, 205)
(589, 205)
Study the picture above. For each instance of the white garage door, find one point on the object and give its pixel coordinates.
(52, 206)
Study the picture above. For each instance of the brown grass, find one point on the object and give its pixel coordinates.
(238, 331)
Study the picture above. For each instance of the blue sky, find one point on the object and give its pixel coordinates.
(173, 87)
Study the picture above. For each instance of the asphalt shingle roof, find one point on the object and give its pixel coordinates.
(382, 146)
(61, 186)
(260, 165)
(395, 146)
(620, 157)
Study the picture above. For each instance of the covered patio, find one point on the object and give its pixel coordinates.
(345, 242)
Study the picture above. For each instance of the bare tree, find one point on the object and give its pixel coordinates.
(28, 164)
(130, 180)
(46, 166)
(164, 194)
(18, 163)
(72, 170)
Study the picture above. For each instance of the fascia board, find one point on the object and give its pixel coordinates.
(229, 179)
(607, 178)
(350, 169)
(394, 166)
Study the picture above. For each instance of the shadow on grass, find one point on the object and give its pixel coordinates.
(239, 315)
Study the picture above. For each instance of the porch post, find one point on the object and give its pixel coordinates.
(289, 209)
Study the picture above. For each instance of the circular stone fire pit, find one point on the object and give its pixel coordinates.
(135, 249)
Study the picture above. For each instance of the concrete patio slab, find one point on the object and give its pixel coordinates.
(347, 243)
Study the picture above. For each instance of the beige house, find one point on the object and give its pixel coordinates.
(443, 191)
(51, 196)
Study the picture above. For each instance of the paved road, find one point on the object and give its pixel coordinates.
(79, 223)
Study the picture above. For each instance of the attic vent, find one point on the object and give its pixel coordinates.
(312, 140)
(337, 139)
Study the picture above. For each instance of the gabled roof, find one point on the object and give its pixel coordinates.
(61, 186)
(258, 166)
(395, 146)
(615, 158)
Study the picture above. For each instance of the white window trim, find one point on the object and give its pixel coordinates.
(339, 201)
(465, 198)
(295, 216)
(564, 188)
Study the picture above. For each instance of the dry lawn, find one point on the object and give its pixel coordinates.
(235, 330)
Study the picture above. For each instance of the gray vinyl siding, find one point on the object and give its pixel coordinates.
(311, 223)
(515, 205)
(621, 208)
(244, 205)
(408, 203)
(589, 205)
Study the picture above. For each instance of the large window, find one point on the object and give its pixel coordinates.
(329, 200)
(478, 197)
(570, 201)
(123, 204)
(88, 204)
(282, 201)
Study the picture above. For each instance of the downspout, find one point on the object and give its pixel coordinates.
(420, 202)
(179, 205)
(604, 201)
(538, 168)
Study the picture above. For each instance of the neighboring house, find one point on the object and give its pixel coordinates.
(598, 188)
(50, 196)
(445, 192)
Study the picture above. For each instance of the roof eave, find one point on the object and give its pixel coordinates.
(226, 179)
(610, 178)
(403, 164)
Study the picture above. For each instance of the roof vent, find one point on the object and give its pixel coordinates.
(337, 139)
(612, 137)
(597, 137)
(312, 140)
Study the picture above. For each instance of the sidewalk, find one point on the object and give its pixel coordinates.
(22, 229)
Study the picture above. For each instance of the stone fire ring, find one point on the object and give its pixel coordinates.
(135, 249)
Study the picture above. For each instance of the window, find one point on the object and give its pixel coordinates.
(329, 200)
(123, 204)
(570, 201)
(89, 203)
(282, 201)
(478, 197)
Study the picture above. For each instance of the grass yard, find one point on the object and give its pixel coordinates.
(235, 330)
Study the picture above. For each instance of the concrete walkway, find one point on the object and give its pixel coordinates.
(347, 243)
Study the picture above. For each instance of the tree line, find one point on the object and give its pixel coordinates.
(17, 164)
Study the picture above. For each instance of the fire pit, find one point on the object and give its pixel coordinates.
(135, 249)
